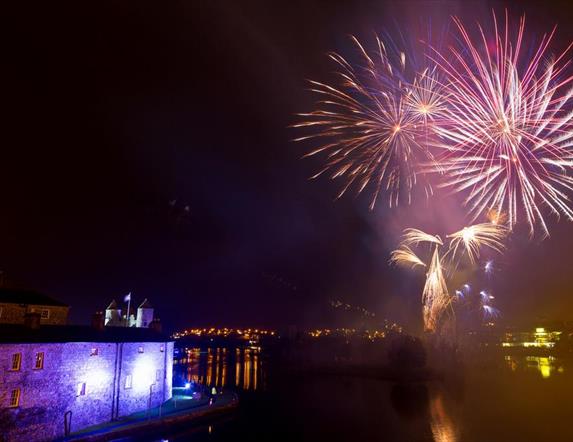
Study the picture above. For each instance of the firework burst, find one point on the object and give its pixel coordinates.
(471, 239)
(508, 133)
(376, 124)
(466, 242)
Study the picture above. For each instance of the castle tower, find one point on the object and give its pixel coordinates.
(113, 315)
(144, 314)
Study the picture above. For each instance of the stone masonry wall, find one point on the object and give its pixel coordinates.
(14, 313)
(147, 370)
(53, 392)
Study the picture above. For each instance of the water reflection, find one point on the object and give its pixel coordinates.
(220, 367)
(415, 401)
(546, 366)
(465, 404)
(441, 423)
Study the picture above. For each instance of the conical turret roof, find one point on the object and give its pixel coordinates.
(145, 304)
(112, 305)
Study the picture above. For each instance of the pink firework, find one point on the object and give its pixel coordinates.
(507, 137)
(375, 124)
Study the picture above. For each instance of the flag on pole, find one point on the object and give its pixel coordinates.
(127, 297)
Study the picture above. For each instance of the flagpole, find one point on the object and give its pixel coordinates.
(128, 310)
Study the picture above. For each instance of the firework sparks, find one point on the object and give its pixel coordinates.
(376, 123)
(406, 256)
(435, 296)
(508, 134)
(416, 236)
(471, 239)
(496, 217)
(488, 267)
(490, 312)
(485, 296)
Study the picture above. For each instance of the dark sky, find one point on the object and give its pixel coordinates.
(147, 149)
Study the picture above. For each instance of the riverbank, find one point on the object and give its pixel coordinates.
(181, 408)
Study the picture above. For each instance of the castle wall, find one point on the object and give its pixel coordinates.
(113, 318)
(55, 391)
(144, 317)
(148, 371)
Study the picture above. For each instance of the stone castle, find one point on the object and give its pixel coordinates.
(56, 378)
(143, 318)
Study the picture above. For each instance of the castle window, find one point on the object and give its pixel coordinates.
(94, 351)
(162, 348)
(81, 389)
(128, 381)
(45, 313)
(16, 361)
(39, 361)
(14, 398)
(157, 375)
(140, 349)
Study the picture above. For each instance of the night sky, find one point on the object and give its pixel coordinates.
(147, 148)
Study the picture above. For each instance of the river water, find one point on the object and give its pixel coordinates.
(492, 397)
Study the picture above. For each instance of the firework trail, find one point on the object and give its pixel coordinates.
(508, 131)
(435, 296)
(374, 127)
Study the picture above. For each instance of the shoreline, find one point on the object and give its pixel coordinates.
(144, 422)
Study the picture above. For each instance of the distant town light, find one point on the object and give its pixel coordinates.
(540, 339)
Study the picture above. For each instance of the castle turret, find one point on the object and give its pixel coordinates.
(144, 314)
(113, 315)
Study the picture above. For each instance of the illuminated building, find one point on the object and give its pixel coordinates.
(144, 314)
(61, 379)
(114, 317)
(16, 304)
(540, 338)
